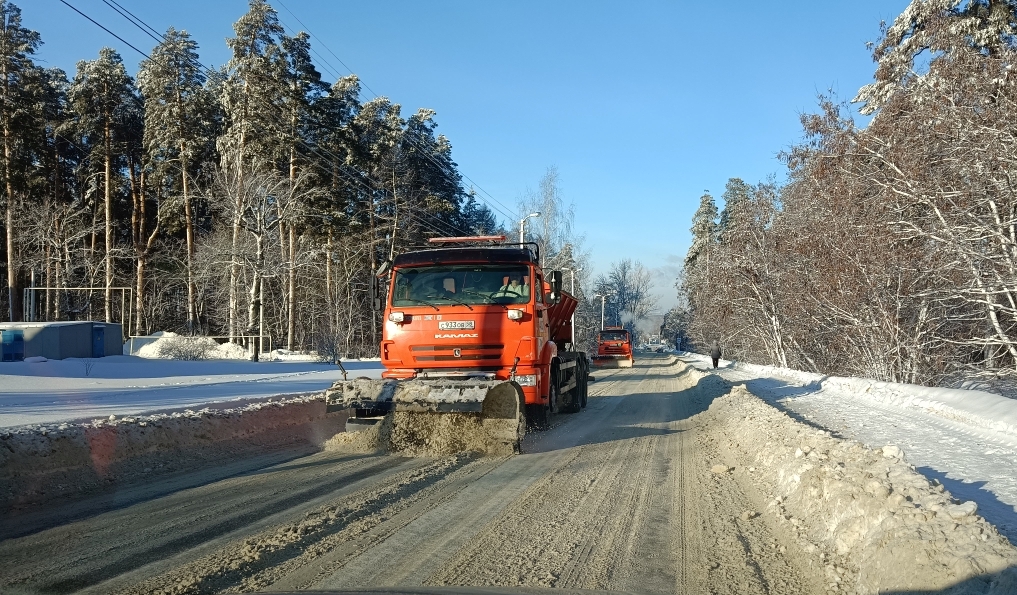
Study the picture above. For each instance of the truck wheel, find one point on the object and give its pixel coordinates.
(567, 403)
(574, 403)
(584, 385)
(538, 417)
(583, 389)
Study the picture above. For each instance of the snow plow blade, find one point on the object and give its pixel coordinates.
(611, 361)
(438, 416)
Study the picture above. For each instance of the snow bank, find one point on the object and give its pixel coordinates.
(874, 522)
(170, 345)
(42, 462)
(978, 408)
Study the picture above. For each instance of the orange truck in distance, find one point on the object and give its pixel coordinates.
(472, 326)
(614, 348)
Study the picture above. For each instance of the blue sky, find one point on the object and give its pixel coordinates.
(640, 105)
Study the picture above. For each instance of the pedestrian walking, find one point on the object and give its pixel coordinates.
(715, 354)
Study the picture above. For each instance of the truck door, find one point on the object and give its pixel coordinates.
(543, 332)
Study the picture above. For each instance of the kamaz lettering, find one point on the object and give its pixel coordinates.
(457, 336)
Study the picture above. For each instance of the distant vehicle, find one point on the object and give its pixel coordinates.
(614, 348)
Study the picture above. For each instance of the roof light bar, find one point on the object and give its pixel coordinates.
(461, 239)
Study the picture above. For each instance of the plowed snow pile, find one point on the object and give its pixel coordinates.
(877, 524)
(424, 435)
(42, 462)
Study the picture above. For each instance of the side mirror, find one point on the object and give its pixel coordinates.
(554, 280)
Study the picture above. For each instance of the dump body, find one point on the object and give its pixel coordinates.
(614, 348)
(461, 321)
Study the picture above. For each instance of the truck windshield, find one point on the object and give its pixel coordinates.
(614, 336)
(465, 284)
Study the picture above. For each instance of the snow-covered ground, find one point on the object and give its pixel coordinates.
(42, 392)
(967, 440)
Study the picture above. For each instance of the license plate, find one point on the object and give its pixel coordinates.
(455, 325)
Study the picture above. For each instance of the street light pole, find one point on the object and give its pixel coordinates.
(572, 290)
(522, 226)
(602, 299)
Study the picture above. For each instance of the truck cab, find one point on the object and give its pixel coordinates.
(477, 312)
(614, 348)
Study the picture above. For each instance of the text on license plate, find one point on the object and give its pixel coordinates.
(450, 325)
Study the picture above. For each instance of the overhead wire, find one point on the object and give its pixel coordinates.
(365, 85)
(104, 28)
(159, 38)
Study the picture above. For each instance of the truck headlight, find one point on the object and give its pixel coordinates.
(397, 317)
(515, 314)
(526, 379)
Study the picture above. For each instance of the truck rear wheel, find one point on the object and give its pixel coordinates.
(538, 417)
(584, 384)
(568, 402)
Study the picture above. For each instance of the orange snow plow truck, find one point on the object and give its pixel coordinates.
(475, 334)
(614, 348)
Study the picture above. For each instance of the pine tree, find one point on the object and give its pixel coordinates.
(103, 97)
(704, 234)
(179, 123)
(252, 97)
(17, 45)
(935, 27)
(736, 194)
(304, 88)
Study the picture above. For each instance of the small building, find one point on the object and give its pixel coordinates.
(60, 340)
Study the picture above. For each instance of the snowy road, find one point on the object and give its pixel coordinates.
(972, 462)
(656, 487)
(619, 496)
(66, 390)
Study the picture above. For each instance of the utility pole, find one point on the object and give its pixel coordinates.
(572, 290)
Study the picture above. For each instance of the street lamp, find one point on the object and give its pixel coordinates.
(522, 225)
(572, 290)
(602, 298)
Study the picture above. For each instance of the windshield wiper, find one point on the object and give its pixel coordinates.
(409, 299)
(460, 302)
(489, 299)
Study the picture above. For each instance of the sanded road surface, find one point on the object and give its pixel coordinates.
(620, 497)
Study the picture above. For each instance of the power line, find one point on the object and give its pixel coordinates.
(476, 185)
(104, 28)
(140, 23)
(159, 38)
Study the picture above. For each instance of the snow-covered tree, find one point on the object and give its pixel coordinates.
(104, 99)
(17, 46)
(932, 29)
(179, 128)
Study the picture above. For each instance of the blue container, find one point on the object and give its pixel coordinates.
(13, 346)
